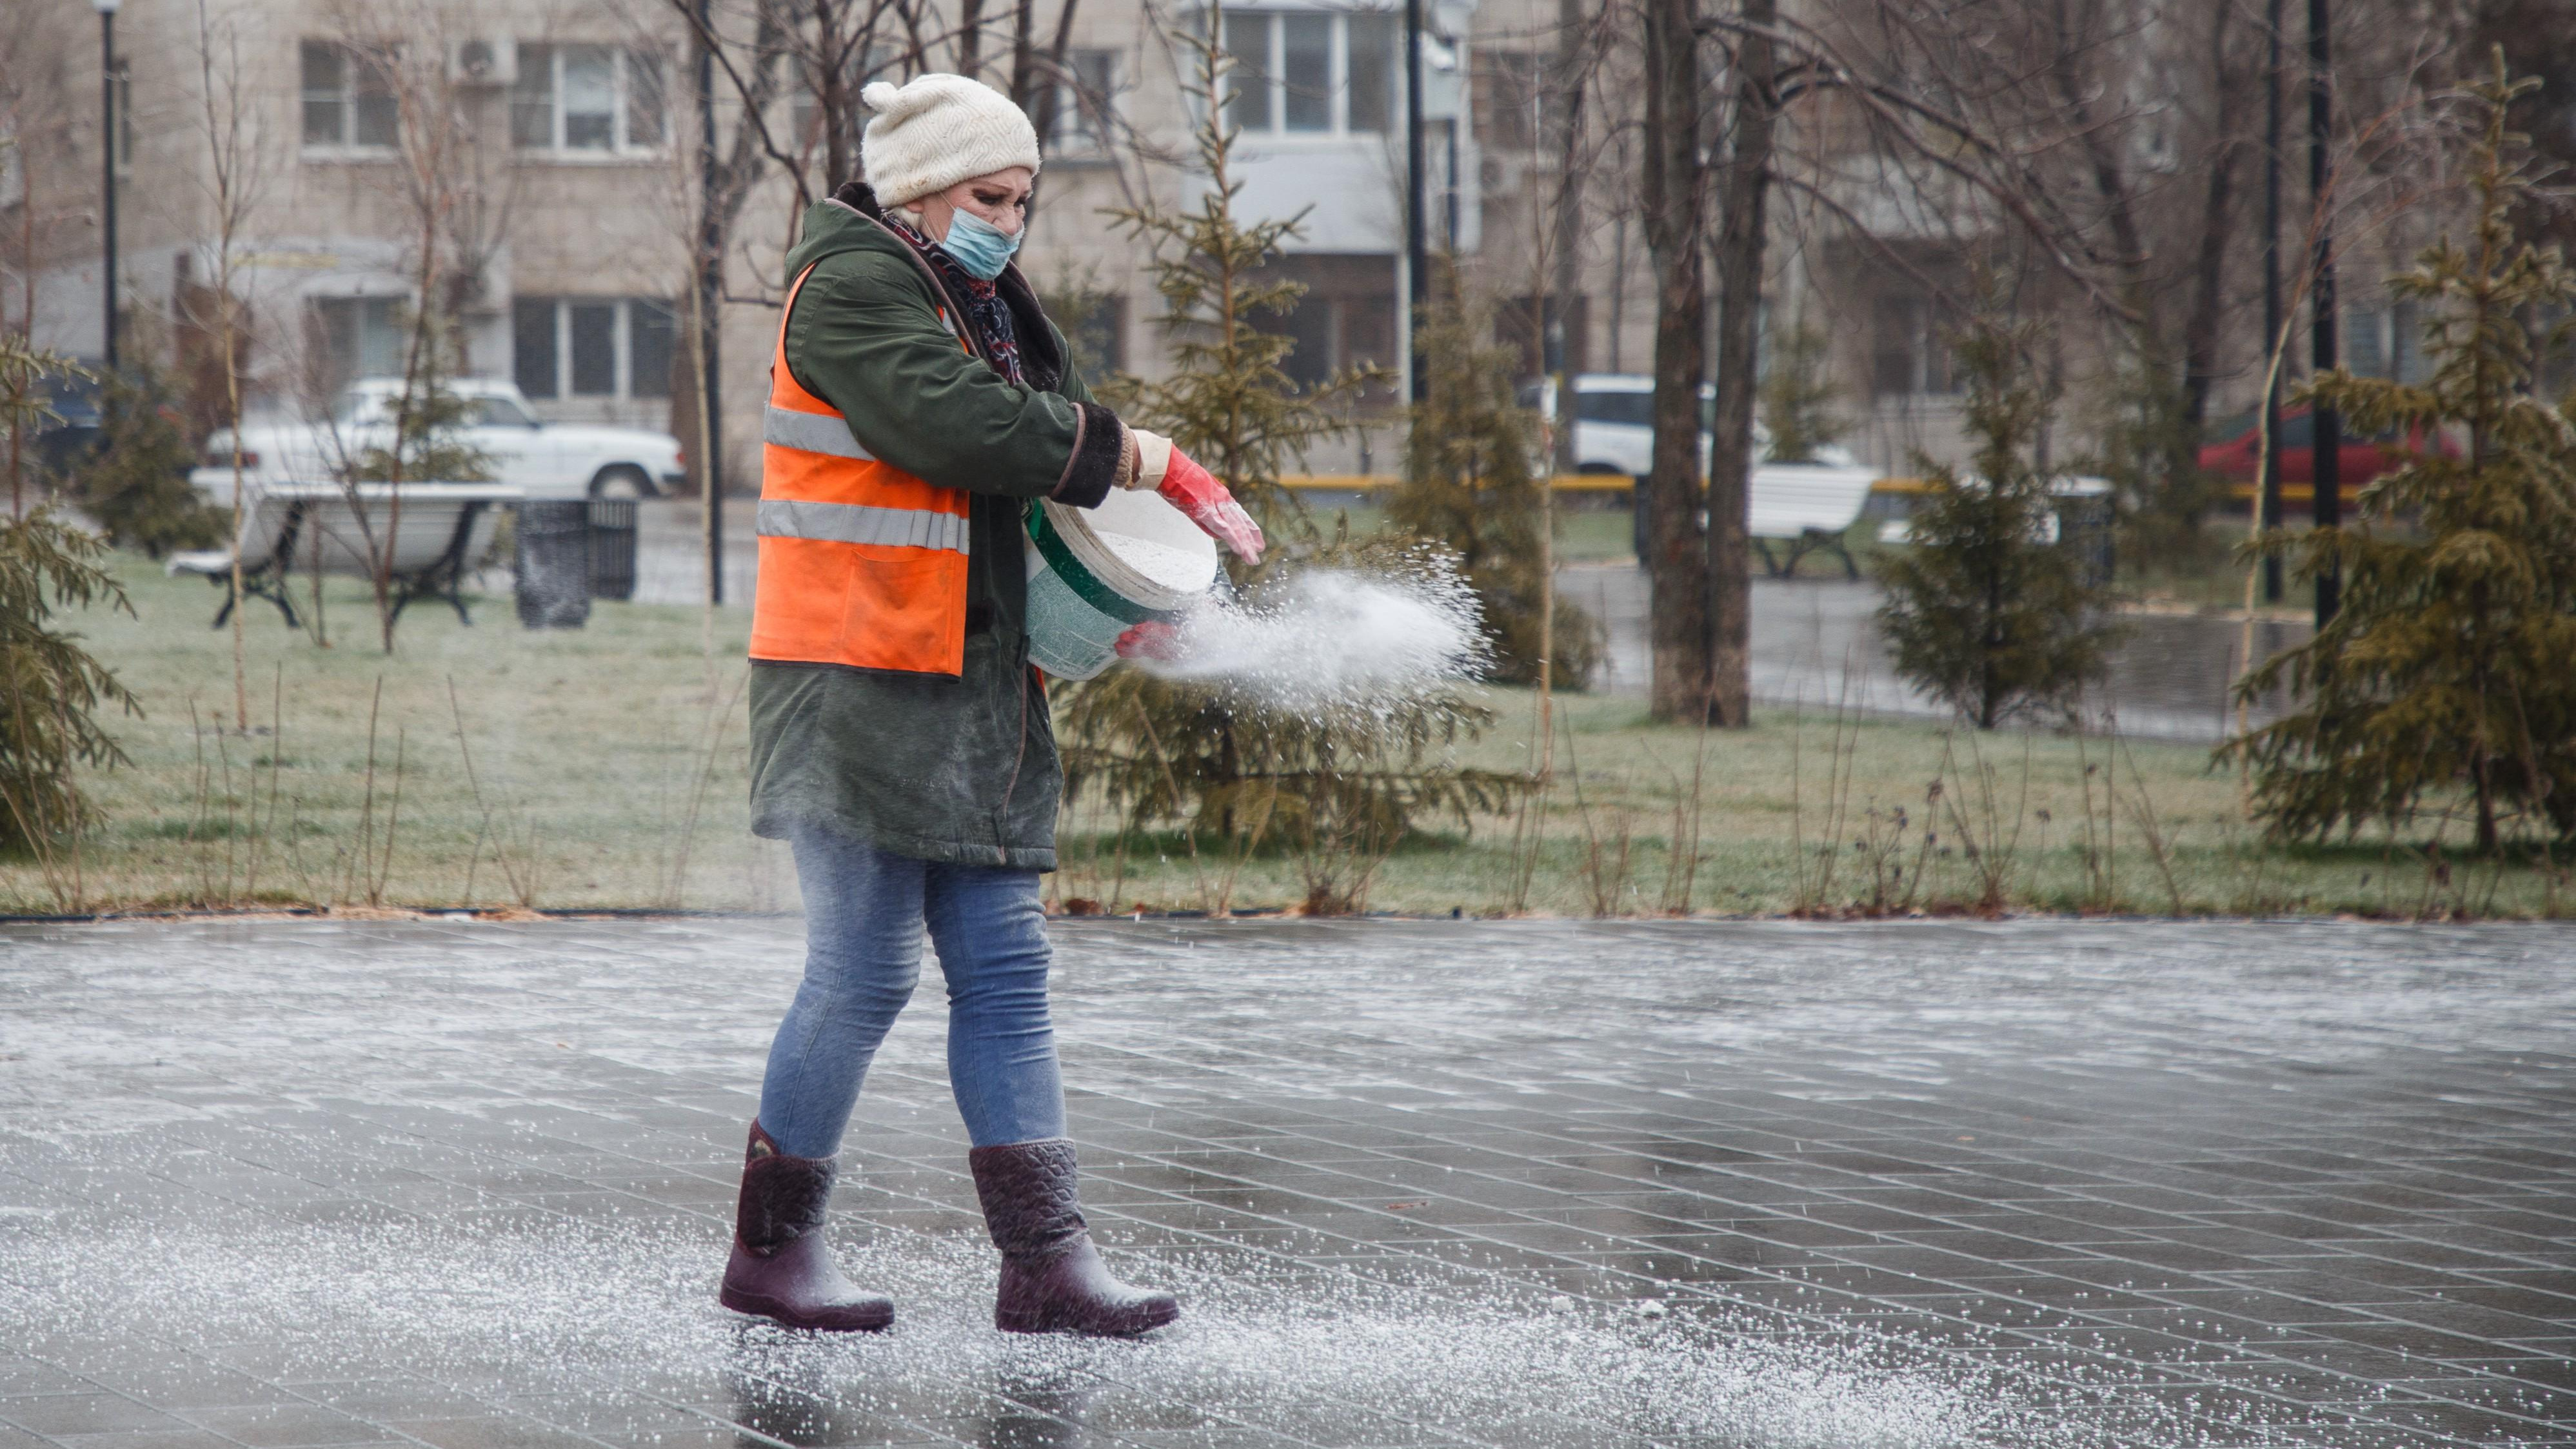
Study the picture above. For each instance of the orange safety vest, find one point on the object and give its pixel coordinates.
(861, 563)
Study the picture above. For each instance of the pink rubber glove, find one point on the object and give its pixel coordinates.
(1195, 491)
(1152, 639)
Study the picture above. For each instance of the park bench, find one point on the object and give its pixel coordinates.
(433, 539)
(1806, 506)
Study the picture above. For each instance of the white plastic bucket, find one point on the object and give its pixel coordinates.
(1094, 573)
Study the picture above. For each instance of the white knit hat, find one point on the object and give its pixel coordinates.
(937, 130)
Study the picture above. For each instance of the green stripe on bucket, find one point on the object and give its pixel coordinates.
(1092, 591)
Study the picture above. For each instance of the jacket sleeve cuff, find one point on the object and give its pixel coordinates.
(1098, 450)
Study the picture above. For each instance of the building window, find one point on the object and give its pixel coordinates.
(1344, 319)
(587, 98)
(1085, 104)
(1509, 87)
(593, 347)
(1095, 327)
(1310, 72)
(348, 98)
(353, 337)
(1910, 350)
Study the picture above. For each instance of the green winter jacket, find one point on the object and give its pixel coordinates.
(957, 769)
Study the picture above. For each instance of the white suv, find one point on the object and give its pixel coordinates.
(549, 460)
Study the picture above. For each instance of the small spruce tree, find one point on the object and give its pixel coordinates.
(1226, 401)
(1798, 395)
(50, 688)
(2151, 454)
(429, 445)
(1339, 789)
(1469, 483)
(1983, 612)
(136, 485)
(2448, 667)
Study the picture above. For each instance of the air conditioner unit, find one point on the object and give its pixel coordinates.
(488, 62)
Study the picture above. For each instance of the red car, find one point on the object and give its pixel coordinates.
(2361, 459)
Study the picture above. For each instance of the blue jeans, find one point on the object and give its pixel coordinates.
(864, 913)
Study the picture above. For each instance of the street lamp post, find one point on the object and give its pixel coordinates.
(107, 166)
(710, 284)
(1417, 249)
(2268, 487)
(2328, 469)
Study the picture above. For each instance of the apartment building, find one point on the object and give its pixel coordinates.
(557, 200)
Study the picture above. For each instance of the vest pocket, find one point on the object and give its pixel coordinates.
(904, 609)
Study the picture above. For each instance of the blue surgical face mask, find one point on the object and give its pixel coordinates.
(982, 248)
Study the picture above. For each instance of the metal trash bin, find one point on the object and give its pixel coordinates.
(612, 548)
(2088, 526)
(553, 564)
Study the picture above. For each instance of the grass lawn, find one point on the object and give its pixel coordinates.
(607, 769)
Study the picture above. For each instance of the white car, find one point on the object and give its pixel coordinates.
(556, 461)
(1614, 424)
(1805, 505)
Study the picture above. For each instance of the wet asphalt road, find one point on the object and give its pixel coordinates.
(1814, 644)
(2028, 1184)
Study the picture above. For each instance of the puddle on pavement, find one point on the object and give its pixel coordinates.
(585, 1313)
(198, 1127)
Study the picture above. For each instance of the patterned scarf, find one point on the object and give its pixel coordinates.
(986, 311)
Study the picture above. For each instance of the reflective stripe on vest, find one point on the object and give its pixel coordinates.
(812, 433)
(860, 523)
(861, 563)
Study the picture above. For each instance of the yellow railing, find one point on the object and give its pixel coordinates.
(1562, 482)
(1372, 482)
(2291, 493)
(2301, 494)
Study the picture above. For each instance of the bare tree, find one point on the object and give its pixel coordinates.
(39, 141)
(1676, 224)
(1740, 245)
(1928, 118)
(232, 180)
(457, 192)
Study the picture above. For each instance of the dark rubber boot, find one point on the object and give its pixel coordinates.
(780, 1268)
(1053, 1280)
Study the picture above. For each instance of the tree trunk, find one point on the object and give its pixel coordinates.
(970, 38)
(2200, 328)
(1556, 350)
(1739, 318)
(1050, 90)
(1023, 54)
(2209, 279)
(1676, 212)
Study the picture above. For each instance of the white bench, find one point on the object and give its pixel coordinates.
(1808, 506)
(430, 534)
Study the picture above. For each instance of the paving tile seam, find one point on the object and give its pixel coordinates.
(2036, 1243)
(2216, 1202)
(1695, 1287)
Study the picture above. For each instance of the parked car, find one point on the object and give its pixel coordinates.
(1614, 424)
(549, 460)
(1804, 504)
(2237, 455)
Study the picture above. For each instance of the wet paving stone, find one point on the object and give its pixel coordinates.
(2027, 1184)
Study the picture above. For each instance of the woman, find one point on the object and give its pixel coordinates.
(918, 399)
